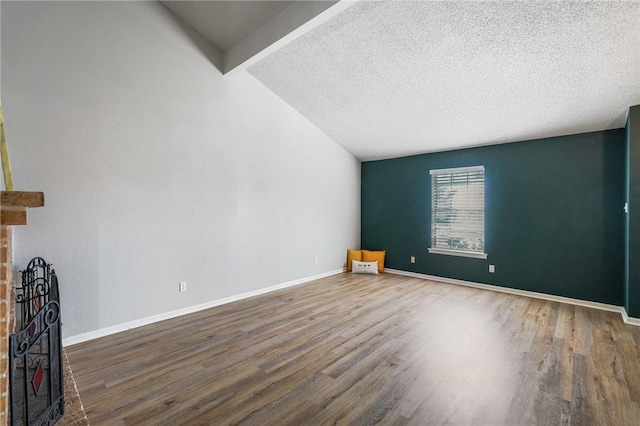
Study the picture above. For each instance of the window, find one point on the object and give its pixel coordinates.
(457, 212)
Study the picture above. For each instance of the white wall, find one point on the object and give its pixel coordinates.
(157, 169)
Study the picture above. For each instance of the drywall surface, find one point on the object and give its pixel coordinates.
(553, 215)
(157, 169)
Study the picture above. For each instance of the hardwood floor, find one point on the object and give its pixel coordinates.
(358, 349)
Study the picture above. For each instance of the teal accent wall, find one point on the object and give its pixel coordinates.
(553, 215)
(633, 227)
(627, 172)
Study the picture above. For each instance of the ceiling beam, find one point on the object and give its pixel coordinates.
(293, 21)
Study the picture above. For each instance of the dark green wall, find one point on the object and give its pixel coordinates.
(632, 284)
(553, 215)
(625, 290)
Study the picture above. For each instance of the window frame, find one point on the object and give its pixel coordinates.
(451, 251)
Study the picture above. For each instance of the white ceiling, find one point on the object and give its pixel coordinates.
(225, 23)
(393, 78)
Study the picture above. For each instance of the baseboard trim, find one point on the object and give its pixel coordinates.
(629, 320)
(91, 335)
(585, 303)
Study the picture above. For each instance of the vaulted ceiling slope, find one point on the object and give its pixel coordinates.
(393, 78)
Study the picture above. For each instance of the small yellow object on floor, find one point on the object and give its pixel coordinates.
(373, 256)
(353, 255)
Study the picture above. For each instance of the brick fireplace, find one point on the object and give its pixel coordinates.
(13, 212)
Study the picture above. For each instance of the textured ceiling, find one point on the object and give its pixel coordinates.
(225, 23)
(394, 78)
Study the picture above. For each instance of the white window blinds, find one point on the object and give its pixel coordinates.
(457, 209)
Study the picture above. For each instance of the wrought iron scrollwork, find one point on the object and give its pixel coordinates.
(30, 335)
(35, 290)
(36, 383)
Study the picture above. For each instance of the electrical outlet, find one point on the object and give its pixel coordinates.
(315, 260)
(492, 268)
(413, 259)
(183, 286)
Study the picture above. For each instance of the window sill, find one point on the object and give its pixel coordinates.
(461, 253)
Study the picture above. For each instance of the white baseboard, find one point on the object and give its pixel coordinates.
(83, 337)
(533, 294)
(629, 320)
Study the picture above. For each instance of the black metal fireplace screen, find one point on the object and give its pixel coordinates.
(35, 361)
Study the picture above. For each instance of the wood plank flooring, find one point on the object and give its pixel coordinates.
(361, 350)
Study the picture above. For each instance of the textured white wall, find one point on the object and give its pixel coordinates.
(157, 169)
